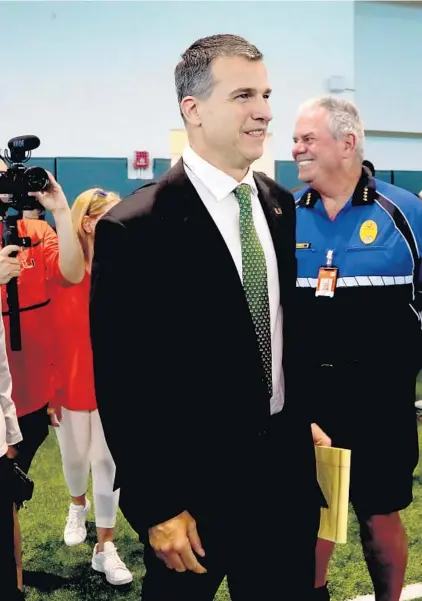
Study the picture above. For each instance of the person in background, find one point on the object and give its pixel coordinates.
(369, 168)
(33, 214)
(10, 436)
(359, 339)
(51, 257)
(79, 430)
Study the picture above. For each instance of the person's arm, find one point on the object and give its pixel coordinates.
(13, 433)
(63, 249)
(52, 256)
(71, 259)
(136, 394)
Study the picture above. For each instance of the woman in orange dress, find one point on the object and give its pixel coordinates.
(78, 425)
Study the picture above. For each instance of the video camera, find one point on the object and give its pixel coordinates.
(16, 182)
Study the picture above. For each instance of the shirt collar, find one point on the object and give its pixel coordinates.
(365, 193)
(217, 182)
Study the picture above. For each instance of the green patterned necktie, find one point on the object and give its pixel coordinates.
(254, 272)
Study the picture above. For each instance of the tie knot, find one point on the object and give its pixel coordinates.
(243, 194)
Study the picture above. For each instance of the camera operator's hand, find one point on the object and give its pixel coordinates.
(9, 266)
(53, 199)
(54, 410)
(11, 452)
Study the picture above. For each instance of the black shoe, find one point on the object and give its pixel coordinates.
(18, 595)
(322, 593)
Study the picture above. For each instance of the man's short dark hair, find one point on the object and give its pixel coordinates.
(370, 166)
(193, 73)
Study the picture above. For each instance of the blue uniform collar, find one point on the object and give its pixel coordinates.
(365, 193)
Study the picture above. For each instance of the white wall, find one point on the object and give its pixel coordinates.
(96, 78)
(388, 76)
(388, 70)
(394, 153)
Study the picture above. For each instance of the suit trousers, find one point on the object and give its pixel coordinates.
(8, 581)
(265, 542)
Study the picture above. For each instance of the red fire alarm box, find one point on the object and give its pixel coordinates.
(141, 159)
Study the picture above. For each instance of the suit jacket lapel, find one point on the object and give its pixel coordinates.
(268, 197)
(189, 205)
(182, 205)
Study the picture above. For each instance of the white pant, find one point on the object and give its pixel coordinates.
(83, 446)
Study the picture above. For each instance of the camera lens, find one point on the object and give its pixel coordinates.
(36, 179)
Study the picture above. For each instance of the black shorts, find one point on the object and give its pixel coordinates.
(380, 482)
(376, 419)
(34, 429)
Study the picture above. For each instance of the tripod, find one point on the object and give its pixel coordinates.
(11, 236)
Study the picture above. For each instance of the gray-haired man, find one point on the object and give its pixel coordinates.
(359, 244)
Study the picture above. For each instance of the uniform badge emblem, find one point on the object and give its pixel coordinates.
(368, 232)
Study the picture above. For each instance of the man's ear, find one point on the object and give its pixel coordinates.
(349, 143)
(189, 109)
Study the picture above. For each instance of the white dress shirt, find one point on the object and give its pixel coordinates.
(10, 433)
(215, 188)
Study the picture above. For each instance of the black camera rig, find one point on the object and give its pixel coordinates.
(15, 184)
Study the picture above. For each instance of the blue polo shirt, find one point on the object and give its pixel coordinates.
(376, 241)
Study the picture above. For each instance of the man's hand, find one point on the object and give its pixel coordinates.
(11, 452)
(174, 542)
(320, 438)
(9, 266)
(53, 199)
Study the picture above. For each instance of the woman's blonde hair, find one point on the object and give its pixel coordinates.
(91, 203)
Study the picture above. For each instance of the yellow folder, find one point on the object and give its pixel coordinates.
(333, 471)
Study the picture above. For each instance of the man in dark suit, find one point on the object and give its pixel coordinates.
(191, 318)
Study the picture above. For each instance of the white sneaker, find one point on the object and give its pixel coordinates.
(75, 529)
(109, 563)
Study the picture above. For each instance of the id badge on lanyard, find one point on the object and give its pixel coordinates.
(327, 278)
